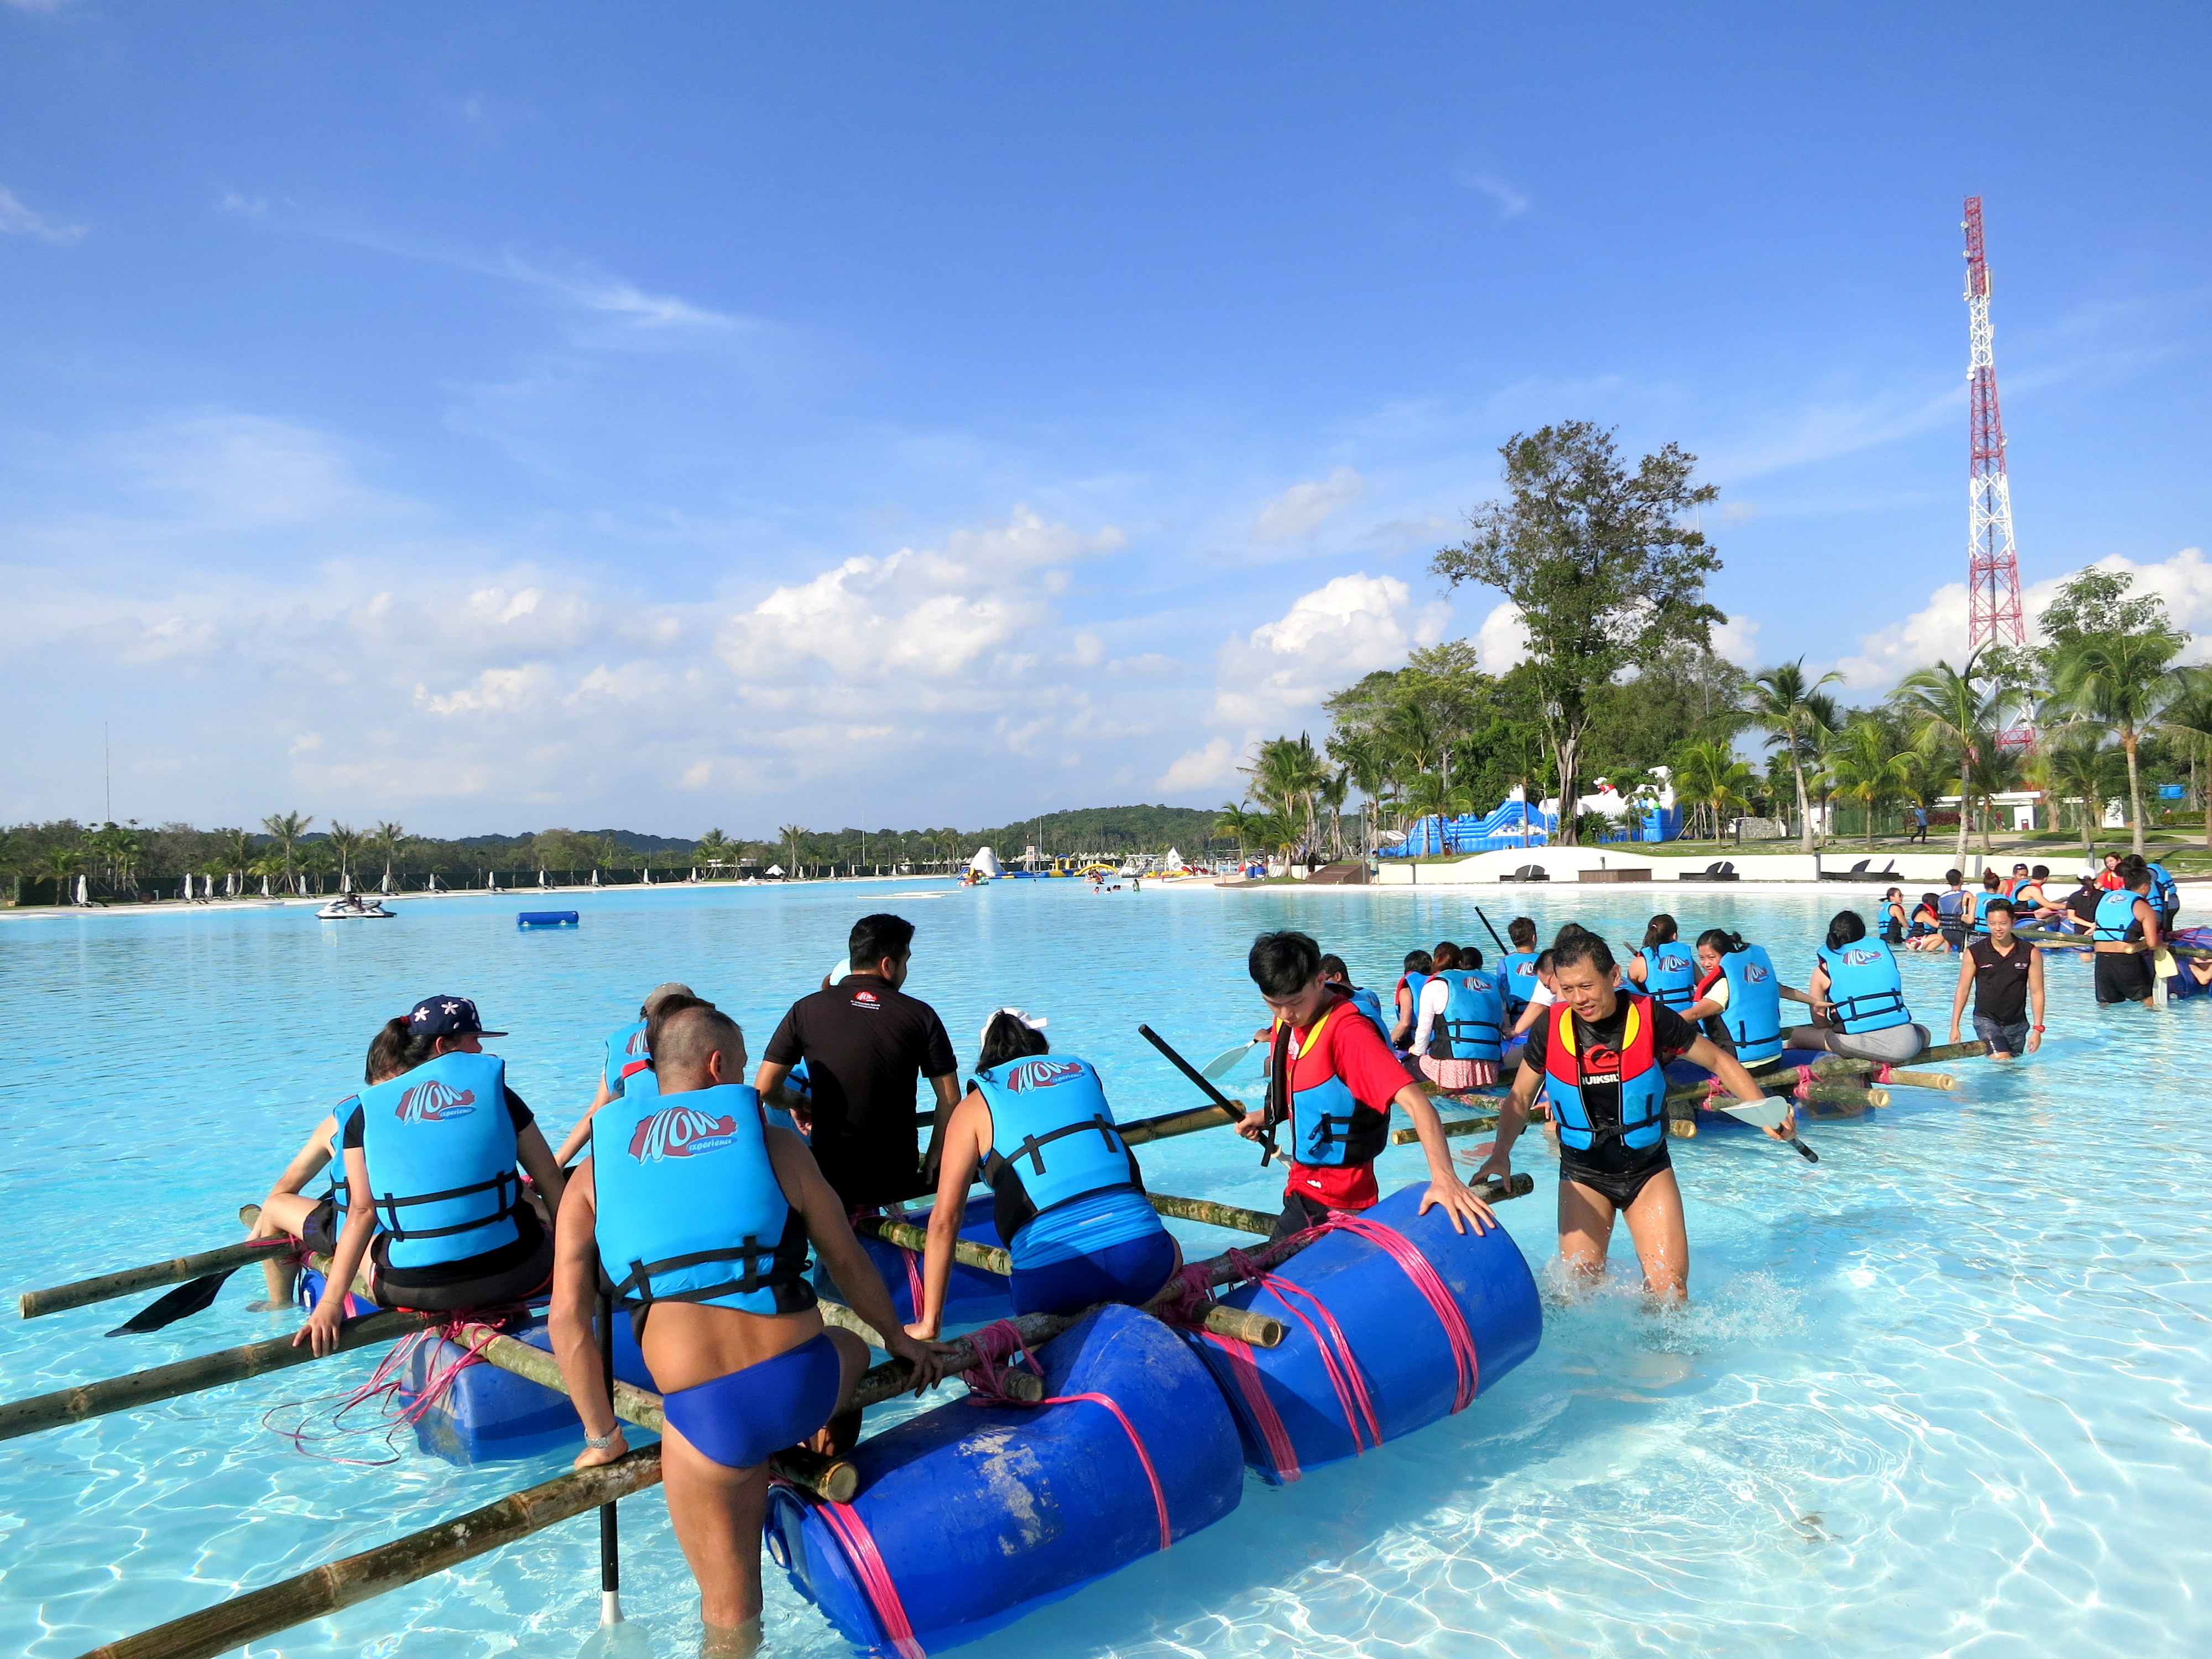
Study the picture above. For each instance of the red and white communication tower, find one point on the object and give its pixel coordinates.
(1994, 613)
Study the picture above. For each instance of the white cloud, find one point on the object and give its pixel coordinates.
(1510, 201)
(1212, 766)
(1503, 639)
(1304, 507)
(1737, 638)
(1937, 631)
(1328, 639)
(18, 218)
(595, 290)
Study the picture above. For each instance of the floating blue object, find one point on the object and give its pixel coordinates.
(1288, 1408)
(973, 1298)
(983, 1513)
(486, 1414)
(547, 919)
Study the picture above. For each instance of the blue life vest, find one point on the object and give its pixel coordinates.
(1982, 903)
(1671, 975)
(339, 1185)
(689, 1209)
(1951, 906)
(1752, 1019)
(796, 1083)
(2165, 895)
(626, 1054)
(1473, 1024)
(1330, 1127)
(1641, 1121)
(1053, 1141)
(1371, 1005)
(1516, 974)
(1413, 984)
(439, 1147)
(1865, 987)
(2116, 915)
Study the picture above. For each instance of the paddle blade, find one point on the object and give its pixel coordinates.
(617, 1640)
(1226, 1062)
(192, 1296)
(1765, 1114)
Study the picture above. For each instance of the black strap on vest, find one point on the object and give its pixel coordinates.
(388, 1208)
(785, 1274)
(1032, 1146)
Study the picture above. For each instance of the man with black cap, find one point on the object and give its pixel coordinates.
(867, 1044)
(628, 1058)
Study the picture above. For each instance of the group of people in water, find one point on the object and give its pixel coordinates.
(698, 1199)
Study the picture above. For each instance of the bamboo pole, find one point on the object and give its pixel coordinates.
(337, 1585)
(1941, 1080)
(907, 1237)
(210, 1370)
(126, 1281)
(1211, 1214)
(1453, 1126)
(1170, 1124)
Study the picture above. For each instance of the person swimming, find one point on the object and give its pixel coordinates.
(1075, 1219)
(707, 1215)
(433, 1202)
(1599, 1058)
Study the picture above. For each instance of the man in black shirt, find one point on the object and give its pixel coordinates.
(1599, 1054)
(2006, 973)
(866, 1044)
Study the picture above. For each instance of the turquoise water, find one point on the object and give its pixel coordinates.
(1948, 1392)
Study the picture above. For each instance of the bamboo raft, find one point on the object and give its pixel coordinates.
(342, 1583)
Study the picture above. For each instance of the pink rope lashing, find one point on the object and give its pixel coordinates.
(875, 1577)
(1804, 1088)
(1001, 1338)
(1884, 1072)
(1282, 1451)
(1336, 1357)
(1426, 1280)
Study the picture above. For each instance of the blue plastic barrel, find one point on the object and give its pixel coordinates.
(1395, 1339)
(547, 919)
(485, 1414)
(973, 1298)
(981, 1514)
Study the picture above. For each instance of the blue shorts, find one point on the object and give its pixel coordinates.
(1132, 1272)
(744, 1419)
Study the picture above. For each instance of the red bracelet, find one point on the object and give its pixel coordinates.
(2039, 1028)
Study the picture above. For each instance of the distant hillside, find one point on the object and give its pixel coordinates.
(1105, 829)
(630, 841)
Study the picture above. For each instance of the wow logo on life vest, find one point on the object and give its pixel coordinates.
(1753, 974)
(1861, 958)
(636, 1043)
(1041, 1074)
(680, 1131)
(431, 1103)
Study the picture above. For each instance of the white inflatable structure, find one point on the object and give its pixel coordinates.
(986, 863)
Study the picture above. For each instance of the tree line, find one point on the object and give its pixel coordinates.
(291, 854)
(1606, 567)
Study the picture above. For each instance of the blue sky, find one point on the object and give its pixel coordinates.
(506, 415)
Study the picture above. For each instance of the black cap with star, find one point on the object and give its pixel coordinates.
(436, 1017)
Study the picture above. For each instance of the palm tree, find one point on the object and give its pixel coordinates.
(2120, 681)
(384, 839)
(1368, 766)
(284, 830)
(61, 863)
(714, 848)
(1708, 775)
(1785, 704)
(1430, 797)
(1865, 768)
(1949, 715)
(2188, 720)
(2091, 775)
(1234, 820)
(235, 849)
(1332, 794)
(789, 836)
(1287, 775)
(346, 842)
(1993, 772)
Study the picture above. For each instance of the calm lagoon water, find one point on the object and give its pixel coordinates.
(1947, 1393)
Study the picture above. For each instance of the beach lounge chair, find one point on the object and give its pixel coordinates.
(1528, 872)
(1860, 872)
(1719, 870)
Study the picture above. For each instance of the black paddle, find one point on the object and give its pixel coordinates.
(194, 1296)
(1268, 1147)
(1494, 940)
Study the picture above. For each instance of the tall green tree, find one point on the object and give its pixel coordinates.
(2120, 681)
(1953, 714)
(2187, 718)
(2079, 768)
(284, 830)
(345, 844)
(1599, 562)
(1868, 767)
(1786, 705)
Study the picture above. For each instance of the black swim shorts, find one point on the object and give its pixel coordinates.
(1617, 1180)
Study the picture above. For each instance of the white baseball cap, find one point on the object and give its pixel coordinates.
(1035, 1022)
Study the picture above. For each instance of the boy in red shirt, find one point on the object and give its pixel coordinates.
(1331, 1083)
